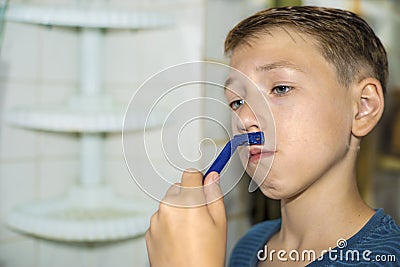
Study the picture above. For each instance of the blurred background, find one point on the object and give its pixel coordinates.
(68, 69)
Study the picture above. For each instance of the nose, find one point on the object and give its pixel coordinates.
(247, 120)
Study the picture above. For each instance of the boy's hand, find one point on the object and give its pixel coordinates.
(189, 236)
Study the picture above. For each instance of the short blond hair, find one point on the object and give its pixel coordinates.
(345, 39)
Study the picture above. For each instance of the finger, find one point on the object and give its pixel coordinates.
(153, 220)
(214, 198)
(170, 196)
(191, 191)
(148, 245)
(147, 237)
(192, 178)
(173, 190)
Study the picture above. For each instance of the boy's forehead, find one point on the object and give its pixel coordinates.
(279, 48)
(275, 39)
(280, 52)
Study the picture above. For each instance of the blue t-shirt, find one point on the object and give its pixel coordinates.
(376, 244)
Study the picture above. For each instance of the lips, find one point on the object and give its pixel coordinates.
(258, 152)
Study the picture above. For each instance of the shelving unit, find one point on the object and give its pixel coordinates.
(90, 212)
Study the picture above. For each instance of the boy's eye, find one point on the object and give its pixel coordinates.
(281, 90)
(236, 104)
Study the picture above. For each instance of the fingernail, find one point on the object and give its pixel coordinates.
(215, 177)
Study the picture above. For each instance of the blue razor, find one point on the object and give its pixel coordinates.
(247, 139)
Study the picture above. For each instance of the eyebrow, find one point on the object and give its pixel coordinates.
(268, 67)
(228, 82)
(278, 65)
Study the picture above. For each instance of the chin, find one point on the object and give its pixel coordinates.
(269, 188)
(272, 194)
(272, 188)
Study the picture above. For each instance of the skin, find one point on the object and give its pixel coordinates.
(195, 236)
(313, 127)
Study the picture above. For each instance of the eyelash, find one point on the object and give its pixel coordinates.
(233, 103)
(289, 89)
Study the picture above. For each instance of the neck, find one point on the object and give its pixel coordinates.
(325, 210)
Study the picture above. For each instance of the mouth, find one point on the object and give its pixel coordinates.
(258, 152)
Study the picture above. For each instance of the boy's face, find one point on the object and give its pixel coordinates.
(312, 112)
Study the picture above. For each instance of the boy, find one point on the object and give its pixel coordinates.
(323, 72)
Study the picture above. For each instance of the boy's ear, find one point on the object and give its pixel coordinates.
(369, 106)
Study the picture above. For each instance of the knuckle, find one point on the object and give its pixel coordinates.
(147, 234)
(153, 219)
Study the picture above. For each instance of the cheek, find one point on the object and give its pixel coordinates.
(335, 125)
(309, 140)
(314, 125)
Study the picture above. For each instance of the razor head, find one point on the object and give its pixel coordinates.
(247, 139)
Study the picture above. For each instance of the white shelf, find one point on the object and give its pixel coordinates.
(87, 17)
(90, 212)
(85, 215)
(79, 121)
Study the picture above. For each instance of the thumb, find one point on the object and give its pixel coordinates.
(214, 198)
(191, 178)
